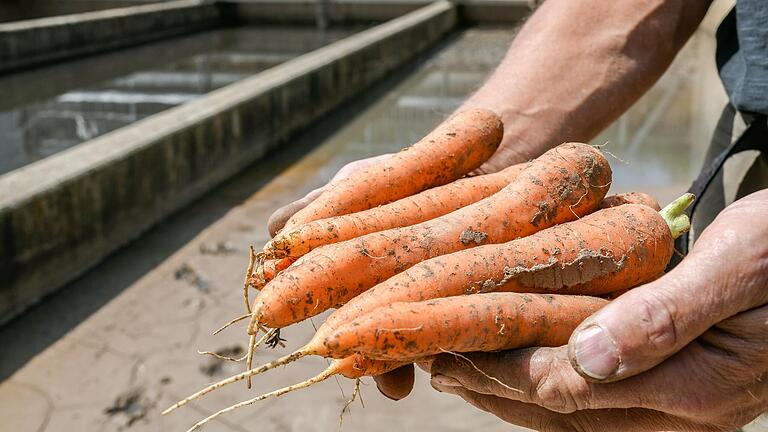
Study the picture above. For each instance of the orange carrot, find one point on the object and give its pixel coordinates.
(267, 270)
(630, 198)
(404, 212)
(270, 267)
(389, 337)
(612, 249)
(402, 332)
(486, 322)
(563, 184)
(459, 145)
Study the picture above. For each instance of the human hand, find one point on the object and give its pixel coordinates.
(688, 351)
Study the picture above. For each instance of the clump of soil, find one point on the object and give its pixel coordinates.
(219, 248)
(130, 407)
(188, 274)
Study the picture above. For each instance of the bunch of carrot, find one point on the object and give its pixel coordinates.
(420, 261)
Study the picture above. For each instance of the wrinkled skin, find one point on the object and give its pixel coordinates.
(691, 348)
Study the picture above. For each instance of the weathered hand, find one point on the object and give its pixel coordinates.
(686, 352)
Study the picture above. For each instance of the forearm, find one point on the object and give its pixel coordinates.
(576, 65)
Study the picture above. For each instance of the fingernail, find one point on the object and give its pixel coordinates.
(596, 354)
(445, 381)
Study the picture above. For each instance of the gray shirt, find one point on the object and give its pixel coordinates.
(742, 55)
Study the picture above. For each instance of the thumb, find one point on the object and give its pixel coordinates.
(633, 333)
(648, 324)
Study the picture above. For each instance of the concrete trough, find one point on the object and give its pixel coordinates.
(44, 40)
(63, 214)
(361, 11)
(40, 41)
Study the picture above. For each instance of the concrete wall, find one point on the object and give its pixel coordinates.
(355, 11)
(61, 215)
(33, 42)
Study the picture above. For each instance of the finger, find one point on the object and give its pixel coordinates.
(538, 418)
(640, 329)
(683, 386)
(541, 376)
(278, 219)
(396, 384)
(742, 342)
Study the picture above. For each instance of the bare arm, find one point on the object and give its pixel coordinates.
(577, 65)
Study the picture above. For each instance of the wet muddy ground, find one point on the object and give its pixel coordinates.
(115, 347)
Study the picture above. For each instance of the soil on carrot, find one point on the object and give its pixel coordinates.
(587, 266)
(469, 235)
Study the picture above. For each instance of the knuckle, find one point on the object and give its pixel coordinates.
(555, 390)
(657, 315)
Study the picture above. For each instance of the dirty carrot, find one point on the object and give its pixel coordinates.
(563, 184)
(411, 210)
(403, 332)
(286, 244)
(486, 322)
(266, 270)
(630, 198)
(457, 146)
(612, 249)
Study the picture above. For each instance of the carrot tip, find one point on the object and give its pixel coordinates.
(240, 318)
(304, 384)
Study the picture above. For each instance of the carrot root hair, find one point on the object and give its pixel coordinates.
(322, 376)
(348, 403)
(253, 257)
(239, 377)
(480, 371)
(253, 344)
(221, 357)
(233, 321)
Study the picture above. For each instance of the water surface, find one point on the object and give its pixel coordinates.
(47, 110)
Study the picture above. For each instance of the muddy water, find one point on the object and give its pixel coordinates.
(45, 111)
(119, 344)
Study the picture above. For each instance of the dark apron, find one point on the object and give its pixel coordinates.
(754, 137)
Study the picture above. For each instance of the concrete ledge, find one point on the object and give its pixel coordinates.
(494, 11)
(61, 215)
(33, 42)
(356, 11)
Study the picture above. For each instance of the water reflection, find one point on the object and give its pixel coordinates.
(46, 111)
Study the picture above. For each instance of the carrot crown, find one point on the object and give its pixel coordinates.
(675, 217)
